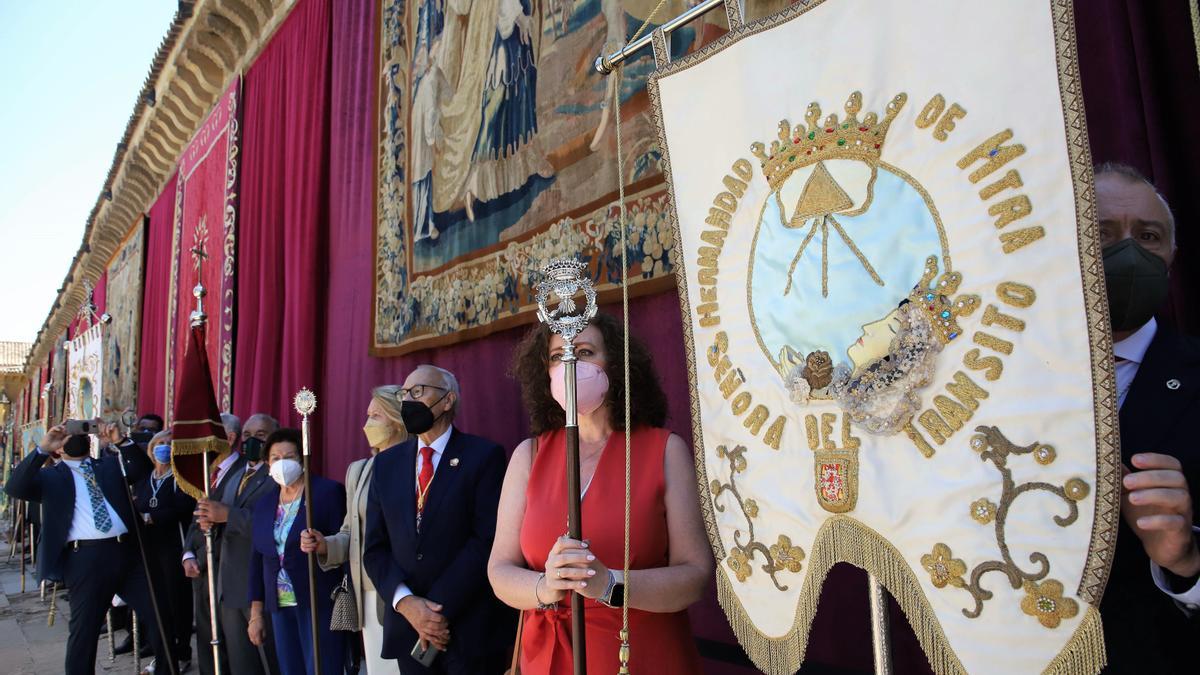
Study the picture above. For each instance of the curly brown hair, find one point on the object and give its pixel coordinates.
(532, 362)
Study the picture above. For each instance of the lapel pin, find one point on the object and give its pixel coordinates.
(1173, 384)
(453, 461)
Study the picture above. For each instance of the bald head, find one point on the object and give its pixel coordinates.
(260, 425)
(1129, 207)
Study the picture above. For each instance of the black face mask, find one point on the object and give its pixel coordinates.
(418, 417)
(77, 446)
(252, 448)
(1137, 284)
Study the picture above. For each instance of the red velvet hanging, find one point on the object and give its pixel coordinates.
(284, 202)
(155, 299)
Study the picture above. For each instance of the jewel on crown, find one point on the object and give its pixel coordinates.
(934, 300)
(849, 138)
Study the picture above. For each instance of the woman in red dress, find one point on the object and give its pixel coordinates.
(535, 567)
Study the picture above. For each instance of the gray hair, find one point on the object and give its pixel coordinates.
(274, 423)
(450, 382)
(1132, 175)
(233, 424)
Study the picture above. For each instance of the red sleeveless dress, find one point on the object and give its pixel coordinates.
(660, 644)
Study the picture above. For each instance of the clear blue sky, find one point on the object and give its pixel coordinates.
(70, 73)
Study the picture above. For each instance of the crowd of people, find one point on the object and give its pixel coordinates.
(440, 549)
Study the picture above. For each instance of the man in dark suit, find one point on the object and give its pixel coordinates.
(86, 537)
(431, 518)
(1151, 607)
(230, 513)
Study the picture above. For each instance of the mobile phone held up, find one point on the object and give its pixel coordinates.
(79, 427)
(424, 655)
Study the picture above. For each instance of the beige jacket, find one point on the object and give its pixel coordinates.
(347, 544)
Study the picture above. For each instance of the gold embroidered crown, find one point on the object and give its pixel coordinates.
(935, 300)
(848, 139)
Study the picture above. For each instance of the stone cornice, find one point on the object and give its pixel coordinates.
(208, 43)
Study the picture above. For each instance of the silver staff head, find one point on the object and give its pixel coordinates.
(305, 402)
(565, 278)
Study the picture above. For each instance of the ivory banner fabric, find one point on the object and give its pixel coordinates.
(897, 336)
(85, 375)
(204, 243)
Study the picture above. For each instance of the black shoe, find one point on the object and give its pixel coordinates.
(125, 647)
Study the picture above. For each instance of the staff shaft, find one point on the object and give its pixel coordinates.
(215, 642)
(574, 512)
(312, 556)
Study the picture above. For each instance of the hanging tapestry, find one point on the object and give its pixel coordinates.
(496, 152)
(204, 243)
(58, 374)
(123, 302)
(897, 339)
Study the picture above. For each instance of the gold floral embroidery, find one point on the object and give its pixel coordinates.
(1076, 489)
(787, 556)
(983, 511)
(1043, 600)
(739, 563)
(780, 557)
(1046, 603)
(943, 568)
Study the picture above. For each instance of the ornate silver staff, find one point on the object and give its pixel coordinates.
(567, 278)
(305, 404)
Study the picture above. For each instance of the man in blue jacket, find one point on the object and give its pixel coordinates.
(431, 518)
(86, 539)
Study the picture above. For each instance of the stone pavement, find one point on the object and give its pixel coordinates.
(27, 645)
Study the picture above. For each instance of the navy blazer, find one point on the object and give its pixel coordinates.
(329, 499)
(54, 489)
(447, 561)
(1144, 630)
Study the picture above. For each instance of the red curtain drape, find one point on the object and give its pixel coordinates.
(155, 299)
(281, 237)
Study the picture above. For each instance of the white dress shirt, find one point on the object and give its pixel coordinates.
(83, 522)
(439, 447)
(1133, 350)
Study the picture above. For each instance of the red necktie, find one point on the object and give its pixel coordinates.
(425, 478)
(216, 473)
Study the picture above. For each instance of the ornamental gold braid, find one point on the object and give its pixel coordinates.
(850, 138)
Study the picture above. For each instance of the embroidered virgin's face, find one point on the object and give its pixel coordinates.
(875, 342)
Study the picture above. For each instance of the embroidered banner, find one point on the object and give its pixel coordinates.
(898, 344)
(123, 302)
(496, 151)
(28, 436)
(205, 242)
(85, 374)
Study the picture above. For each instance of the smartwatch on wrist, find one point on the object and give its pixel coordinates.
(614, 595)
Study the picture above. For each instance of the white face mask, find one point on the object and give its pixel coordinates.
(286, 471)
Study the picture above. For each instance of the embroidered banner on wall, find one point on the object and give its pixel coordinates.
(496, 152)
(898, 347)
(123, 302)
(204, 244)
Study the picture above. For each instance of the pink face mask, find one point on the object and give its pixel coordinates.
(591, 386)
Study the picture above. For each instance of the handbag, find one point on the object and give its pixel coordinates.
(345, 609)
(515, 668)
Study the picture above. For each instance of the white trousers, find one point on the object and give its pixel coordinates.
(373, 640)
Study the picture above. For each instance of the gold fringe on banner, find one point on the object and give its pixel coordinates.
(192, 449)
(844, 539)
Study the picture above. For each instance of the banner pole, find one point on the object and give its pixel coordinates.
(881, 637)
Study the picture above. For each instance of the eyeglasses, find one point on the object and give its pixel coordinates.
(417, 391)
